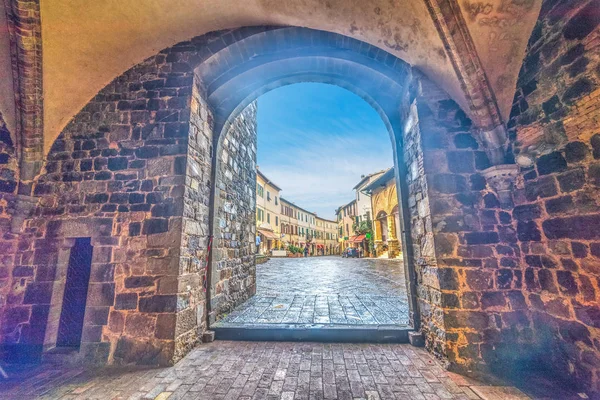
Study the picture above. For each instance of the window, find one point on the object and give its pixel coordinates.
(260, 215)
(268, 196)
(276, 200)
(260, 190)
(276, 219)
(268, 218)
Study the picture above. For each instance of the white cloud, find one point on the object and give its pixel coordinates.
(319, 173)
(315, 141)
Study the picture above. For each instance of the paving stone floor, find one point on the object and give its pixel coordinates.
(264, 370)
(326, 290)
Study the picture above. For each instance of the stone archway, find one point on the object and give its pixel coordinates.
(142, 154)
(499, 278)
(233, 80)
(140, 157)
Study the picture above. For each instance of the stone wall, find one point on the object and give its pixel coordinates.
(425, 263)
(555, 129)
(233, 263)
(191, 317)
(510, 284)
(133, 171)
(462, 288)
(8, 160)
(8, 241)
(480, 290)
(115, 174)
(469, 285)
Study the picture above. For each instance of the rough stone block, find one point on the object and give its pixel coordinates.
(139, 281)
(158, 303)
(126, 301)
(208, 336)
(583, 227)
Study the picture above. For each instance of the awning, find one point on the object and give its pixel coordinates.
(268, 234)
(357, 239)
(320, 246)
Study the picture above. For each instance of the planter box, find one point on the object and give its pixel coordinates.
(279, 253)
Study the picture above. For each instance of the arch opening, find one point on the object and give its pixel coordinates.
(137, 166)
(230, 91)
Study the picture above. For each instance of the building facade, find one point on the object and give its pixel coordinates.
(386, 223)
(268, 209)
(289, 223)
(281, 223)
(363, 200)
(346, 219)
(326, 237)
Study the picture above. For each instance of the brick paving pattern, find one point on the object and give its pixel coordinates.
(321, 309)
(262, 370)
(326, 290)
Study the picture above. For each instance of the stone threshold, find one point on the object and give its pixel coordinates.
(328, 333)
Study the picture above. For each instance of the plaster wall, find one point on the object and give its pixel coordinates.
(85, 45)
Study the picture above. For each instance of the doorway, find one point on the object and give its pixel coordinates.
(75, 295)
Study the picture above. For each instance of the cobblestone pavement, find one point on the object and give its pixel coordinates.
(326, 290)
(331, 275)
(265, 370)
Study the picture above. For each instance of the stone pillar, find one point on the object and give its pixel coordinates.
(392, 241)
(391, 224)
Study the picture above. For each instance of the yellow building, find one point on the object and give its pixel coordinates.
(267, 213)
(346, 219)
(386, 223)
(326, 236)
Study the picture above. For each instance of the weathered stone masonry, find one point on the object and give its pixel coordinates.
(132, 171)
(513, 281)
(234, 228)
(555, 129)
(467, 296)
(500, 279)
(115, 174)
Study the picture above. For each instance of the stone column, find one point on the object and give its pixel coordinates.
(392, 240)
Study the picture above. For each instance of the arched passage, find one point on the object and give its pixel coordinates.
(118, 175)
(234, 79)
(136, 168)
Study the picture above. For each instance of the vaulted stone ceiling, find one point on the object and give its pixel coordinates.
(87, 44)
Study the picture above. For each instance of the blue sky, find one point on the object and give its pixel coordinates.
(316, 140)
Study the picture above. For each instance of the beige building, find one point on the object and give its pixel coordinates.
(326, 236)
(386, 225)
(363, 200)
(268, 209)
(281, 223)
(346, 218)
(289, 223)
